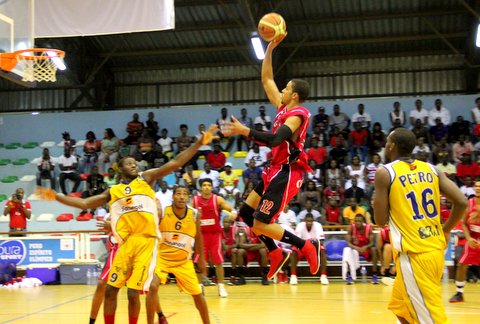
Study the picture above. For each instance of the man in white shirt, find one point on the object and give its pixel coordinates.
(476, 112)
(418, 113)
(309, 229)
(439, 112)
(308, 210)
(362, 117)
(68, 170)
(258, 154)
(212, 174)
(164, 195)
(287, 217)
(263, 119)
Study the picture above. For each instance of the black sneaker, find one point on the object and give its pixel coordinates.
(265, 281)
(457, 298)
(241, 281)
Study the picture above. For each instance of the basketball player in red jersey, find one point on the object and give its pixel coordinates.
(211, 206)
(471, 251)
(282, 180)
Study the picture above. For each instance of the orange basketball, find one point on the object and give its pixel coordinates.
(271, 26)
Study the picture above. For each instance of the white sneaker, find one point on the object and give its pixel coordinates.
(293, 280)
(324, 280)
(387, 281)
(222, 292)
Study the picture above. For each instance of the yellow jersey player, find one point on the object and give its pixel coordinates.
(407, 196)
(180, 229)
(134, 221)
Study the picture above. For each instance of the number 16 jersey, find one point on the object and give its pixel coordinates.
(414, 202)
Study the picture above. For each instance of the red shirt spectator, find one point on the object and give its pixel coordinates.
(358, 137)
(467, 167)
(318, 154)
(216, 158)
(19, 210)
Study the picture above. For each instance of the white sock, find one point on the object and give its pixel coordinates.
(460, 286)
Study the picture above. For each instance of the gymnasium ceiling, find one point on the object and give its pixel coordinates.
(215, 33)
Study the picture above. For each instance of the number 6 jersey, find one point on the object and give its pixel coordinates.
(414, 200)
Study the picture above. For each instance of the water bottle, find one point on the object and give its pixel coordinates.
(89, 277)
(363, 271)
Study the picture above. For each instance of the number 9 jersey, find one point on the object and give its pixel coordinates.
(414, 202)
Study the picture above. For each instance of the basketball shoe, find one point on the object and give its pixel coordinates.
(457, 298)
(278, 258)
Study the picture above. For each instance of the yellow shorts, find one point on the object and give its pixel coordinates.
(417, 293)
(184, 272)
(134, 263)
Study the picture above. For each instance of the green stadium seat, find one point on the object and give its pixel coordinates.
(9, 179)
(2, 145)
(12, 146)
(30, 145)
(20, 161)
(5, 161)
(3, 197)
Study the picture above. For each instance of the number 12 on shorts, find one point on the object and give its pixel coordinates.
(266, 206)
(428, 204)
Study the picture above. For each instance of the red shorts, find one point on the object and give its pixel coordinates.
(228, 253)
(278, 186)
(212, 246)
(367, 255)
(470, 256)
(253, 255)
(108, 263)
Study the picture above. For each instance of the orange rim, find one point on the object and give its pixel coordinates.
(41, 53)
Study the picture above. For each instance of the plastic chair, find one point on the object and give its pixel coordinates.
(334, 249)
(64, 217)
(84, 217)
(12, 146)
(3, 197)
(240, 154)
(45, 217)
(5, 161)
(9, 179)
(30, 145)
(20, 161)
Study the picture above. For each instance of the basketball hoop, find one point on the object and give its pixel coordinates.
(37, 64)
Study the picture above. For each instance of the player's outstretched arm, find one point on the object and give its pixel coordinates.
(182, 158)
(82, 203)
(268, 81)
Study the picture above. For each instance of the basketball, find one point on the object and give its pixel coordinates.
(271, 26)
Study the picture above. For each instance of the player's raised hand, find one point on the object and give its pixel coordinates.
(45, 193)
(274, 43)
(210, 134)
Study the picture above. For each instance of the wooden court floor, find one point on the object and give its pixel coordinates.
(309, 302)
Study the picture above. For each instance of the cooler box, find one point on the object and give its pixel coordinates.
(46, 273)
(75, 272)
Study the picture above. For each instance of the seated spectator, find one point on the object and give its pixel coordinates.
(109, 151)
(357, 140)
(339, 153)
(442, 148)
(476, 112)
(377, 139)
(315, 176)
(68, 165)
(445, 209)
(151, 126)
(355, 192)
(309, 229)
(340, 120)
(419, 113)
(203, 150)
(134, 130)
(462, 146)
(189, 179)
(467, 188)
(231, 252)
(166, 143)
(360, 240)
(145, 150)
(69, 143)
(224, 118)
(252, 174)
(95, 186)
(254, 250)
(90, 149)
(370, 170)
(458, 128)
(210, 174)
(216, 158)
(321, 117)
(247, 121)
(439, 111)
(351, 210)
(355, 170)
(183, 140)
(258, 154)
(263, 119)
(287, 217)
(310, 193)
(421, 151)
(317, 152)
(159, 158)
(397, 114)
(164, 195)
(335, 192)
(438, 131)
(309, 210)
(332, 212)
(362, 117)
(467, 167)
(420, 130)
(46, 169)
(249, 187)
(111, 178)
(385, 253)
(229, 183)
(337, 138)
(334, 172)
(318, 134)
(449, 169)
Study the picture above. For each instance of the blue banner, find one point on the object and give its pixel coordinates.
(27, 251)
